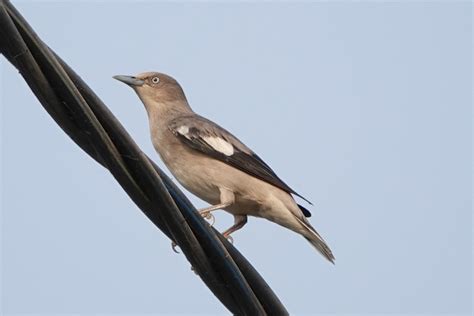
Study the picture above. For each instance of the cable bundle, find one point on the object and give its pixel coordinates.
(91, 125)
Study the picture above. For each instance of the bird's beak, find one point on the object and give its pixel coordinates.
(130, 80)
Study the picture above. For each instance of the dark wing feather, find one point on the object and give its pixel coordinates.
(197, 129)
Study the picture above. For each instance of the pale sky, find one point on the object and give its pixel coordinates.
(363, 107)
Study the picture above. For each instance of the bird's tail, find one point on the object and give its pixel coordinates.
(316, 240)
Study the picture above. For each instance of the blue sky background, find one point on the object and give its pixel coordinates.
(363, 107)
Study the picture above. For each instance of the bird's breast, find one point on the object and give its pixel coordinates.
(188, 166)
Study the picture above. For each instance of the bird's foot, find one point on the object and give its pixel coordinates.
(209, 217)
(173, 246)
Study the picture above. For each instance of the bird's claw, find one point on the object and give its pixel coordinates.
(230, 239)
(173, 246)
(194, 270)
(208, 216)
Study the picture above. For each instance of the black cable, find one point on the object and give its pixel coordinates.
(83, 116)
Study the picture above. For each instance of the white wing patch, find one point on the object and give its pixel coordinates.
(183, 130)
(220, 145)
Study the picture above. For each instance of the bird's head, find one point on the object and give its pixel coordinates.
(155, 89)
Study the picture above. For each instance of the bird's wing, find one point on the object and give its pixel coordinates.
(209, 138)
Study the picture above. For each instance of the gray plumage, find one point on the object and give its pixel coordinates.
(214, 165)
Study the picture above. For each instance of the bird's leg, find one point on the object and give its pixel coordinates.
(226, 198)
(239, 222)
(206, 212)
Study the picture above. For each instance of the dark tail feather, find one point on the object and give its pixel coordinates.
(305, 211)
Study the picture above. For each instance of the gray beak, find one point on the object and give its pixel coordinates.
(130, 80)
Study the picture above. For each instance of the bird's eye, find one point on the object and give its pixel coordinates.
(155, 80)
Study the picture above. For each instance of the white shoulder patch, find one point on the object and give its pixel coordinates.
(183, 130)
(220, 145)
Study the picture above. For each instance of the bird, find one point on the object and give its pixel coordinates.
(216, 166)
